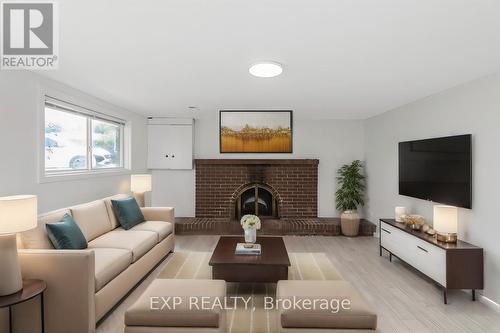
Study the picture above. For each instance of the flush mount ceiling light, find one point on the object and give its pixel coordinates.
(266, 69)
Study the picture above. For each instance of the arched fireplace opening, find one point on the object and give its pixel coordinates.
(256, 199)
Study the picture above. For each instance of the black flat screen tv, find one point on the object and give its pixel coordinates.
(438, 170)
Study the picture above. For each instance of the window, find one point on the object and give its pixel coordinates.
(106, 144)
(78, 140)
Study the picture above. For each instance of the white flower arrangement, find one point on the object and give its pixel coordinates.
(250, 222)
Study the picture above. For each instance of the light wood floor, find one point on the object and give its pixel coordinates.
(405, 300)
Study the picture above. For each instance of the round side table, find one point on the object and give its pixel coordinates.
(31, 288)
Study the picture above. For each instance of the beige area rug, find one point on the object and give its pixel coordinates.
(304, 266)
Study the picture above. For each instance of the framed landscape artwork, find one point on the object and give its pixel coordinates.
(255, 131)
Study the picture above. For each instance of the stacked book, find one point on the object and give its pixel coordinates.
(247, 249)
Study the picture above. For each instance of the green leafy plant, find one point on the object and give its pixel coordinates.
(351, 186)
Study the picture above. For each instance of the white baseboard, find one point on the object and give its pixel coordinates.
(488, 302)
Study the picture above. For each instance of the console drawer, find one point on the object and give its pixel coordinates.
(427, 258)
(431, 260)
(399, 243)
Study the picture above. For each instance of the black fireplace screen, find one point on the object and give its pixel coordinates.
(256, 200)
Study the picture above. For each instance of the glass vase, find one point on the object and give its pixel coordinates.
(250, 235)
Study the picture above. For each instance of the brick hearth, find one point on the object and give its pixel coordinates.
(294, 182)
(287, 226)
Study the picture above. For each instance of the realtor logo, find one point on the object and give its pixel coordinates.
(29, 35)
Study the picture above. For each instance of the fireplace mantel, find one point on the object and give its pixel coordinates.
(243, 161)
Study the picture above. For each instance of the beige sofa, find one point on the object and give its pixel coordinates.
(83, 285)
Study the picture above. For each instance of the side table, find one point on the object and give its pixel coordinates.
(31, 288)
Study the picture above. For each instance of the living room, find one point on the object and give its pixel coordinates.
(346, 148)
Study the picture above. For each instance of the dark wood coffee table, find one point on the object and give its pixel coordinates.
(271, 266)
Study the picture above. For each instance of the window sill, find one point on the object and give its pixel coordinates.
(70, 176)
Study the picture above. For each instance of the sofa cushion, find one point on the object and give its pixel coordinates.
(66, 235)
(37, 238)
(138, 242)
(146, 312)
(92, 218)
(359, 315)
(162, 229)
(127, 212)
(111, 211)
(109, 263)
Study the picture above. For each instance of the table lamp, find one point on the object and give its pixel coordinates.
(446, 223)
(400, 212)
(17, 214)
(139, 184)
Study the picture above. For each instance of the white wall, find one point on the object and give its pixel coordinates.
(19, 127)
(333, 142)
(471, 108)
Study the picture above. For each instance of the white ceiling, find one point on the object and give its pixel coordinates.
(341, 58)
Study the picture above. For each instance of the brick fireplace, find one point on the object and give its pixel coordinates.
(290, 184)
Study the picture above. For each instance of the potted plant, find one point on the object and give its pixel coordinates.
(349, 196)
(250, 224)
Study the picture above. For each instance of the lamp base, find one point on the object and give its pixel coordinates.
(447, 238)
(10, 272)
(139, 197)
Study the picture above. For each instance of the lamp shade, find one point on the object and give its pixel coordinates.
(446, 219)
(18, 213)
(400, 211)
(140, 183)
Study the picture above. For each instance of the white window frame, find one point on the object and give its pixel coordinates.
(66, 103)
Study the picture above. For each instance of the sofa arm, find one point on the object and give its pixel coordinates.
(159, 214)
(69, 298)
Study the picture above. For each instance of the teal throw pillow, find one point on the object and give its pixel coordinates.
(66, 235)
(127, 212)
